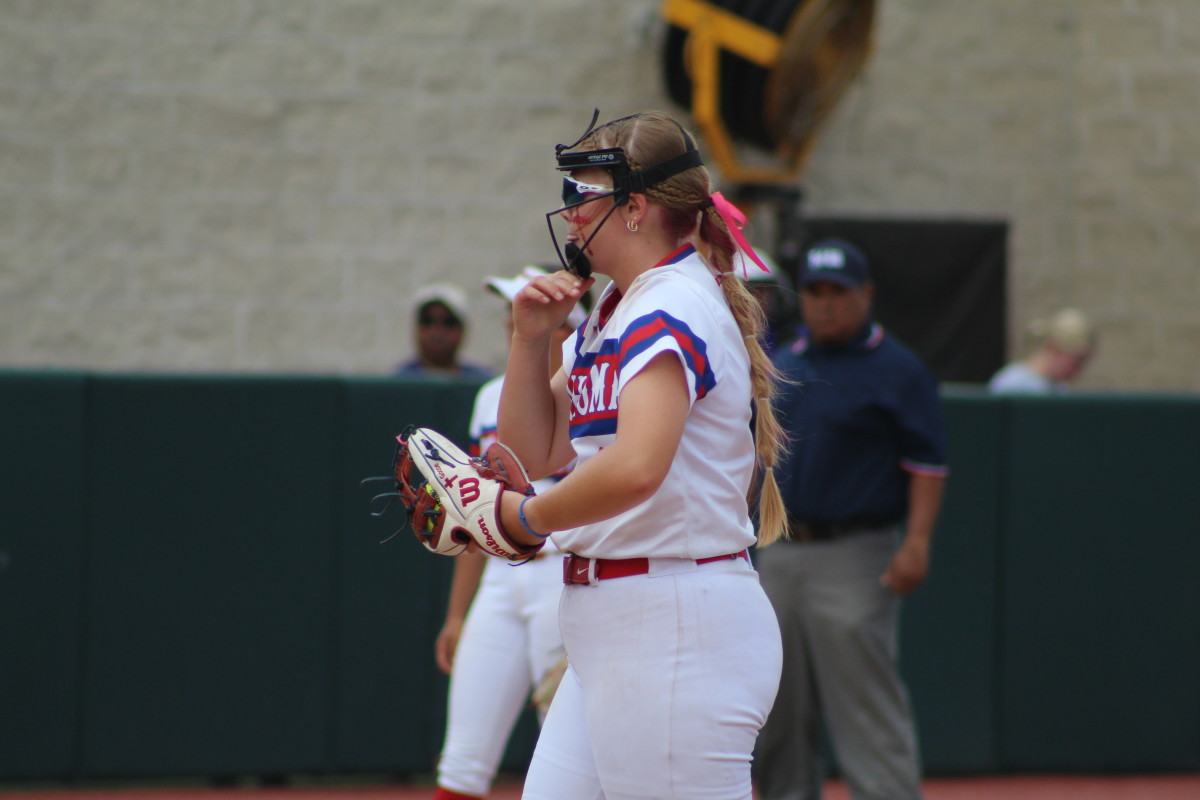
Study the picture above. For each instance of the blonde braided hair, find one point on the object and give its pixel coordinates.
(651, 138)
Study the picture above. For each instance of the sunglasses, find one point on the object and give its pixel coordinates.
(430, 320)
(574, 191)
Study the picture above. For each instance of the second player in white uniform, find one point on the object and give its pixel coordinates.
(501, 631)
(674, 649)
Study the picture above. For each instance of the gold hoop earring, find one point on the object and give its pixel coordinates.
(631, 225)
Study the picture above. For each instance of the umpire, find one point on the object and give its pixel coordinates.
(863, 485)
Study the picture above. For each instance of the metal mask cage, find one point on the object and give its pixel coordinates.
(625, 182)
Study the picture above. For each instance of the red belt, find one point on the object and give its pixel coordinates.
(580, 570)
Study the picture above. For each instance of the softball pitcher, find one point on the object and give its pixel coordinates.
(674, 650)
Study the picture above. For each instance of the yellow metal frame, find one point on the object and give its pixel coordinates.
(710, 30)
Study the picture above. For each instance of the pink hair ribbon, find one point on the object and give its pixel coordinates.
(735, 220)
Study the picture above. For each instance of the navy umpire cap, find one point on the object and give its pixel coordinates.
(836, 261)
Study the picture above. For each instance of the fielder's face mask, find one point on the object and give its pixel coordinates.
(624, 183)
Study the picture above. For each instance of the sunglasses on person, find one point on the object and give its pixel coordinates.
(427, 320)
(574, 191)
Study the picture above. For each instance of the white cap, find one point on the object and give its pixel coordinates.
(755, 275)
(1068, 328)
(447, 294)
(508, 288)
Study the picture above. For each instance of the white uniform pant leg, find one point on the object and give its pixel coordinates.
(489, 685)
(563, 767)
(847, 635)
(542, 585)
(676, 674)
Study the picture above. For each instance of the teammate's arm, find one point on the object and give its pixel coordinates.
(468, 567)
(534, 408)
(651, 414)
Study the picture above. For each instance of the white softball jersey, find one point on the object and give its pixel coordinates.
(700, 511)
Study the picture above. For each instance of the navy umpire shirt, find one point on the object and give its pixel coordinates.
(861, 416)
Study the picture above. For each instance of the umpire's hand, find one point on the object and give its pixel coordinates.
(908, 568)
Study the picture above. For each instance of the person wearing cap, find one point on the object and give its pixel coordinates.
(440, 317)
(863, 486)
(773, 290)
(1065, 344)
(500, 635)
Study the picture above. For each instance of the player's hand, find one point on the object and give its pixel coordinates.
(544, 304)
(446, 644)
(908, 568)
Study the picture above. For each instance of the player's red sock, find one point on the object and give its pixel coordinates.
(446, 794)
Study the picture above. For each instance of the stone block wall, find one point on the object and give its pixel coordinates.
(260, 185)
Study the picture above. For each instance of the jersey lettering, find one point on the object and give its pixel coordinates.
(602, 390)
(592, 387)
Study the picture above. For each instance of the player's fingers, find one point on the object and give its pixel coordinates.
(892, 578)
(444, 654)
(533, 293)
(557, 286)
(900, 582)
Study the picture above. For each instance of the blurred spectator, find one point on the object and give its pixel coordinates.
(774, 292)
(440, 316)
(1064, 344)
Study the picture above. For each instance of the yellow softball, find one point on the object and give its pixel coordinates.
(429, 520)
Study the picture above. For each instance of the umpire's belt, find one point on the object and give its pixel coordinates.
(579, 570)
(806, 530)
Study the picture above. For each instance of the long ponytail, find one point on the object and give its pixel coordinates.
(769, 436)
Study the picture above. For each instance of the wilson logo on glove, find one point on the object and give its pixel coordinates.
(449, 528)
(468, 490)
(493, 545)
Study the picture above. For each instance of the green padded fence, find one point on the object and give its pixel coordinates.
(389, 697)
(1100, 639)
(191, 583)
(43, 553)
(213, 512)
(948, 628)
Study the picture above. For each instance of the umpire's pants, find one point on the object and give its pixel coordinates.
(839, 630)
